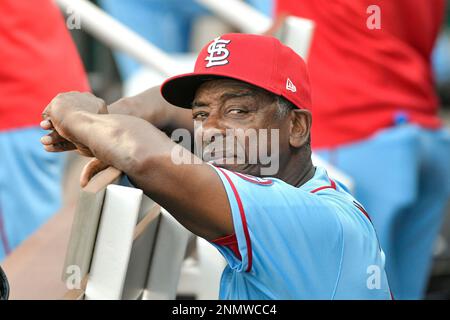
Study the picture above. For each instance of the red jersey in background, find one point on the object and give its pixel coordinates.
(38, 60)
(362, 79)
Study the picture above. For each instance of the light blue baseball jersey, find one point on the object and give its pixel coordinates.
(311, 242)
(407, 199)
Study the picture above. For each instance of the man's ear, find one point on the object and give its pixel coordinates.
(300, 127)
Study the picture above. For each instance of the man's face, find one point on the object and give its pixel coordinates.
(238, 127)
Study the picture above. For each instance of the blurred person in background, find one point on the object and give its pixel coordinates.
(375, 113)
(37, 61)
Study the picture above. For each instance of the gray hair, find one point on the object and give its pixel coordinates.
(284, 107)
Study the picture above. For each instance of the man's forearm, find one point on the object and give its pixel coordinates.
(151, 106)
(169, 174)
(119, 140)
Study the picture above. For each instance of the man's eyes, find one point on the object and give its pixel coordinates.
(233, 111)
(237, 110)
(199, 115)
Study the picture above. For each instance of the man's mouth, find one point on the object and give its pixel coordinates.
(217, 155)
(221, 156)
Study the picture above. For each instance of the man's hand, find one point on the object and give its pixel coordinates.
(56, 117)
(91, 169)
(53, 142)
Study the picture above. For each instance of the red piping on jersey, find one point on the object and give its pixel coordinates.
(230, 242)
(332, 186)
(3, 236)
(362, 210)
(244, 220)
(264, 182)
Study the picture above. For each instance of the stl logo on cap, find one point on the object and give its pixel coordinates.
(218, 53)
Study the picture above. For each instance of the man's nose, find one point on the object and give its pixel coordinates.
(211, 134)
(211, 129)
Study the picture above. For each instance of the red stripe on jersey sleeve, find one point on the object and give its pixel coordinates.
(243, 219)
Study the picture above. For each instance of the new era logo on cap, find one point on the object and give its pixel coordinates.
(262, 61)
(290, 86)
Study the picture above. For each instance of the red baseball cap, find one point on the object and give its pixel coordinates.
(262, 61)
